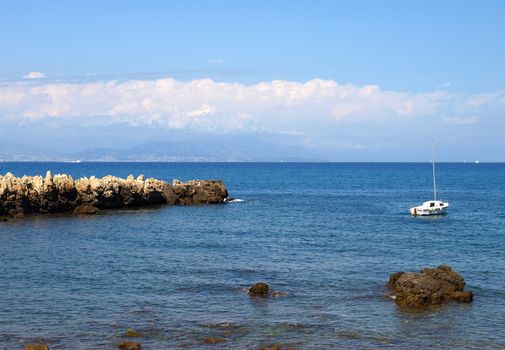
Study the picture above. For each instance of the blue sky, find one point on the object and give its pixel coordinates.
(364, 80)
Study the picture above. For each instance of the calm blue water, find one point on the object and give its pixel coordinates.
(327, 234)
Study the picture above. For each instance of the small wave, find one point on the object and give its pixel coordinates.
(233, 200)
(223, 325)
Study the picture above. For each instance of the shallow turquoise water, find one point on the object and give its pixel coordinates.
(327, 234)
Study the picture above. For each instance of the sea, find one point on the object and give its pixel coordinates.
(328, 235)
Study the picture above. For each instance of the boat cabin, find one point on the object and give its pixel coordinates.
(433, 204)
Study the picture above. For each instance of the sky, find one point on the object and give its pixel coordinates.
(339, 80)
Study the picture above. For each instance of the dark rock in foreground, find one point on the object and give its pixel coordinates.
(263, 290)
(213, 340)
(271, 347)
(129, 345)
(36, 346)
(259, 290)
(428, 287)
(85, 209)
(61, 193)
(276, 347)
(132, 333)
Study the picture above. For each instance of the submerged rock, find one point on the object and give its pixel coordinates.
(463, 297)
(17, 212)
(263, 290)
(61, 193)
(276, 347)
(85, 209)
(36, 346)
(213, 340)
(130, 345)
(428, 287)
(259, 290)
(271, 347)
(132, 333)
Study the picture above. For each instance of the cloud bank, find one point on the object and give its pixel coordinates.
(34, 75)
(204, 104)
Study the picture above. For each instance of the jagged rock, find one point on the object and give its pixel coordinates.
(36, 346)
(200, 192)
(259, 290)
(428, 287)
(130, 345)
(61, 193)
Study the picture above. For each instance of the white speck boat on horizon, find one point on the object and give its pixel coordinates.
(431, 207)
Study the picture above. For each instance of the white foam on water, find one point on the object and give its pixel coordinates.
(234, 200)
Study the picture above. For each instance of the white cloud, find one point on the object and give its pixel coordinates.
(34, 75)
(460, 120)
(205, 109)
(479, 100)
(204, 104)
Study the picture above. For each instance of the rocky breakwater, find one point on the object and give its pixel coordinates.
(428, 287)
(61, 193)
(199, 192)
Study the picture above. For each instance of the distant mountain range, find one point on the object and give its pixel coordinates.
(208, 150)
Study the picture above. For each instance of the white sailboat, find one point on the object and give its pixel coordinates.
(432, 207)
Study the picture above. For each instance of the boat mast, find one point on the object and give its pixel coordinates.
(433, 166)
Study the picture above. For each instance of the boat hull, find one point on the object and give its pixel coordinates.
(426, 210)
